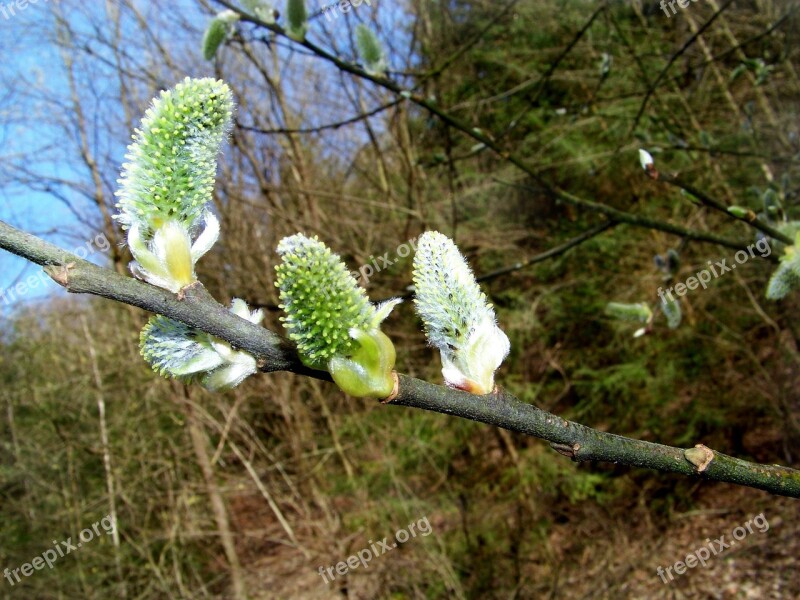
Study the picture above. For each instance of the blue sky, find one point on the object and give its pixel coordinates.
(34, 92)
(39, 213)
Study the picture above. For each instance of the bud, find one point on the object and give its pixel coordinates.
(331, 320)
(297, 19)
(218, 30)
(646, 160)
(174, 349)
(168, 181)
(673, 261)
(261, 9)
(741, 213)
(370, 51)
(458, 319)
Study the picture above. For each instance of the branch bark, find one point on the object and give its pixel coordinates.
(195, 307)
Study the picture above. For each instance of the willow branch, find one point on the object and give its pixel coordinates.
(195, 306)
(321, 128)
(750, 219)
(621, 216)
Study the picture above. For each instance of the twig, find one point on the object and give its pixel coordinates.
(319, 128)
(652, 88)
(640, 221)
(552, 252)
(750, 219)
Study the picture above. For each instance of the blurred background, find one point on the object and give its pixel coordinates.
(249, 493)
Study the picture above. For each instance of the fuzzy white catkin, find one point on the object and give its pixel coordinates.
(458, 318)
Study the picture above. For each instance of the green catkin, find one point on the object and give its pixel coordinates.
(297, 19)
(457, 317)
(219, 28)
(672, 311)
(321, 299)
(786, 276)
(331, 320)
(171, 164)
(639, 312)
(369, 49)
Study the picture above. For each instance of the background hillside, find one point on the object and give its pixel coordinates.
(260, 486)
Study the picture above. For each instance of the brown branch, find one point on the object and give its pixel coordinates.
(319, 128)
(751, 219)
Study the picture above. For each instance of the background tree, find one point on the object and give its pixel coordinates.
(285, 473)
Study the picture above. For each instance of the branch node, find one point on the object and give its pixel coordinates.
(651, 171)
(60, 273)
(569, 450)
(700, 456)
(395, 389)
(188, 288)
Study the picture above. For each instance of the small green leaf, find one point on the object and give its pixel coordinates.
(369, 49)
(297, 19)
(219, 28)
(639, 312)
(672, 311)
